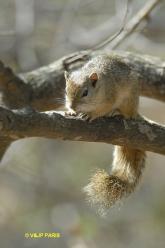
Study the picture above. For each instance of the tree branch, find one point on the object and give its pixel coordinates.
(126, 30)
(134, 23)
(140, 134)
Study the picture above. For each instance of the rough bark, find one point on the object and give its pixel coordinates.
(140, 134)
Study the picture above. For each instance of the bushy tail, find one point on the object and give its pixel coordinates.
(106, 189)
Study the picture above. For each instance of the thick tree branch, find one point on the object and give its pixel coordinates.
(43, 87)
(140, 134)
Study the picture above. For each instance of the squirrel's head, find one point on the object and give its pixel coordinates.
(92, 89)
(81, 91)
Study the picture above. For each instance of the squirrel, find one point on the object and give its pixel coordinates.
(107, 86)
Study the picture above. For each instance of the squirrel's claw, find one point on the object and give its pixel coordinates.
(70, 113)
(85, 117)
(82, 116)
(115, 112)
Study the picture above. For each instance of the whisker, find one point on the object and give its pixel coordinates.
(59, 100)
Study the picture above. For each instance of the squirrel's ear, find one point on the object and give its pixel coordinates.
(66, 75)
(93, 77)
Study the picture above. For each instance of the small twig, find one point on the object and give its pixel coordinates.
(74, 58)
(113, 37)
(130, 27)
(118, 37)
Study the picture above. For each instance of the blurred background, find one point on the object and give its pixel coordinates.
(41, 180)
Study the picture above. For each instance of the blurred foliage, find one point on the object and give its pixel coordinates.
(41, 180)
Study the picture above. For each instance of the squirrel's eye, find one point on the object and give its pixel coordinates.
(85, 93)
